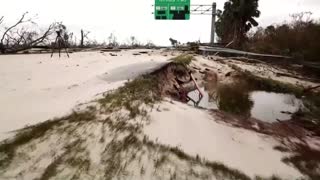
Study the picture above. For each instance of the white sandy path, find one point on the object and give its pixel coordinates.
(196, 132)
(34, 88)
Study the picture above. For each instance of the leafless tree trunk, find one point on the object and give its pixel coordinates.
(84, 35)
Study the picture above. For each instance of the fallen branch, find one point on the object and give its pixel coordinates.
(34, 42)
(13, 26)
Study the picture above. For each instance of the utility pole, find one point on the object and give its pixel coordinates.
(211, 10)
(213, 22)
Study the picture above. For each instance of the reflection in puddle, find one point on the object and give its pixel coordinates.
(265, 106)
(271, 107)
(204, 102)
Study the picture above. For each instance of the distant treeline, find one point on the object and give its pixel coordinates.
(299, 38)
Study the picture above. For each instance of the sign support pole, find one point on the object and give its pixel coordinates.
(213, 23)
(163, 12)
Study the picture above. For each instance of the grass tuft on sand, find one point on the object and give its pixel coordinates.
(144, 89)
(30, 133)
(184, 59)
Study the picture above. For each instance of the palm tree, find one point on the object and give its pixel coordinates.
(236, 20)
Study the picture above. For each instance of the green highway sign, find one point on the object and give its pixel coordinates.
(172, 9)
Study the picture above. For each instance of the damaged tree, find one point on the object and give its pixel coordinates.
(16, 39)
(236, 20)
(173, 42)
(84, 35)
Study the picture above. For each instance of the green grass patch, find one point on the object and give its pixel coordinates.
(234, 98)
(184, 59)
(306, 160)
(270, 178)
(270, 85)
(267, 84)
(217, 168)
(144, 89)
(30, 133)
(312, 104)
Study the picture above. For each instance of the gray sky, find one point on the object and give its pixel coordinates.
(125, 18)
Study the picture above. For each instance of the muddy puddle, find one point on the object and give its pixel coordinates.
(265, 106)
(203, 102)
(272, 107)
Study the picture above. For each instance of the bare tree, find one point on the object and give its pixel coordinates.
(174, 42)
(113, 40)
(84, 35)
(6, 32)
(16, 39)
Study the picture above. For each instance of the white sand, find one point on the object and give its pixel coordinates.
(196, 132)
(267, 71)
(31, 92)
(35, 87)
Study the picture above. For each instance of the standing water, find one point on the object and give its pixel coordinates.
(270, 107)
(265, 106)
(204, 102)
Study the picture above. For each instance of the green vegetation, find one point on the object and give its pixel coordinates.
(236, 20)
(270, 85)
(141, 90)
(120, 151)
(267, 84)
(299, 39)
(144, 89)
(312, 104)
(218, 169)
(271, 178)
(234, 98)
(28, 134)
(184, 59)
(307, 160)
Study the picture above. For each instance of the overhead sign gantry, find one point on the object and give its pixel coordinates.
(172, 9)
(181, 10)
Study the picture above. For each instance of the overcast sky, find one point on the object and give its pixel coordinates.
(127, 18)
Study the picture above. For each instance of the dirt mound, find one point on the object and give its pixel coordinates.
(172, 78)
